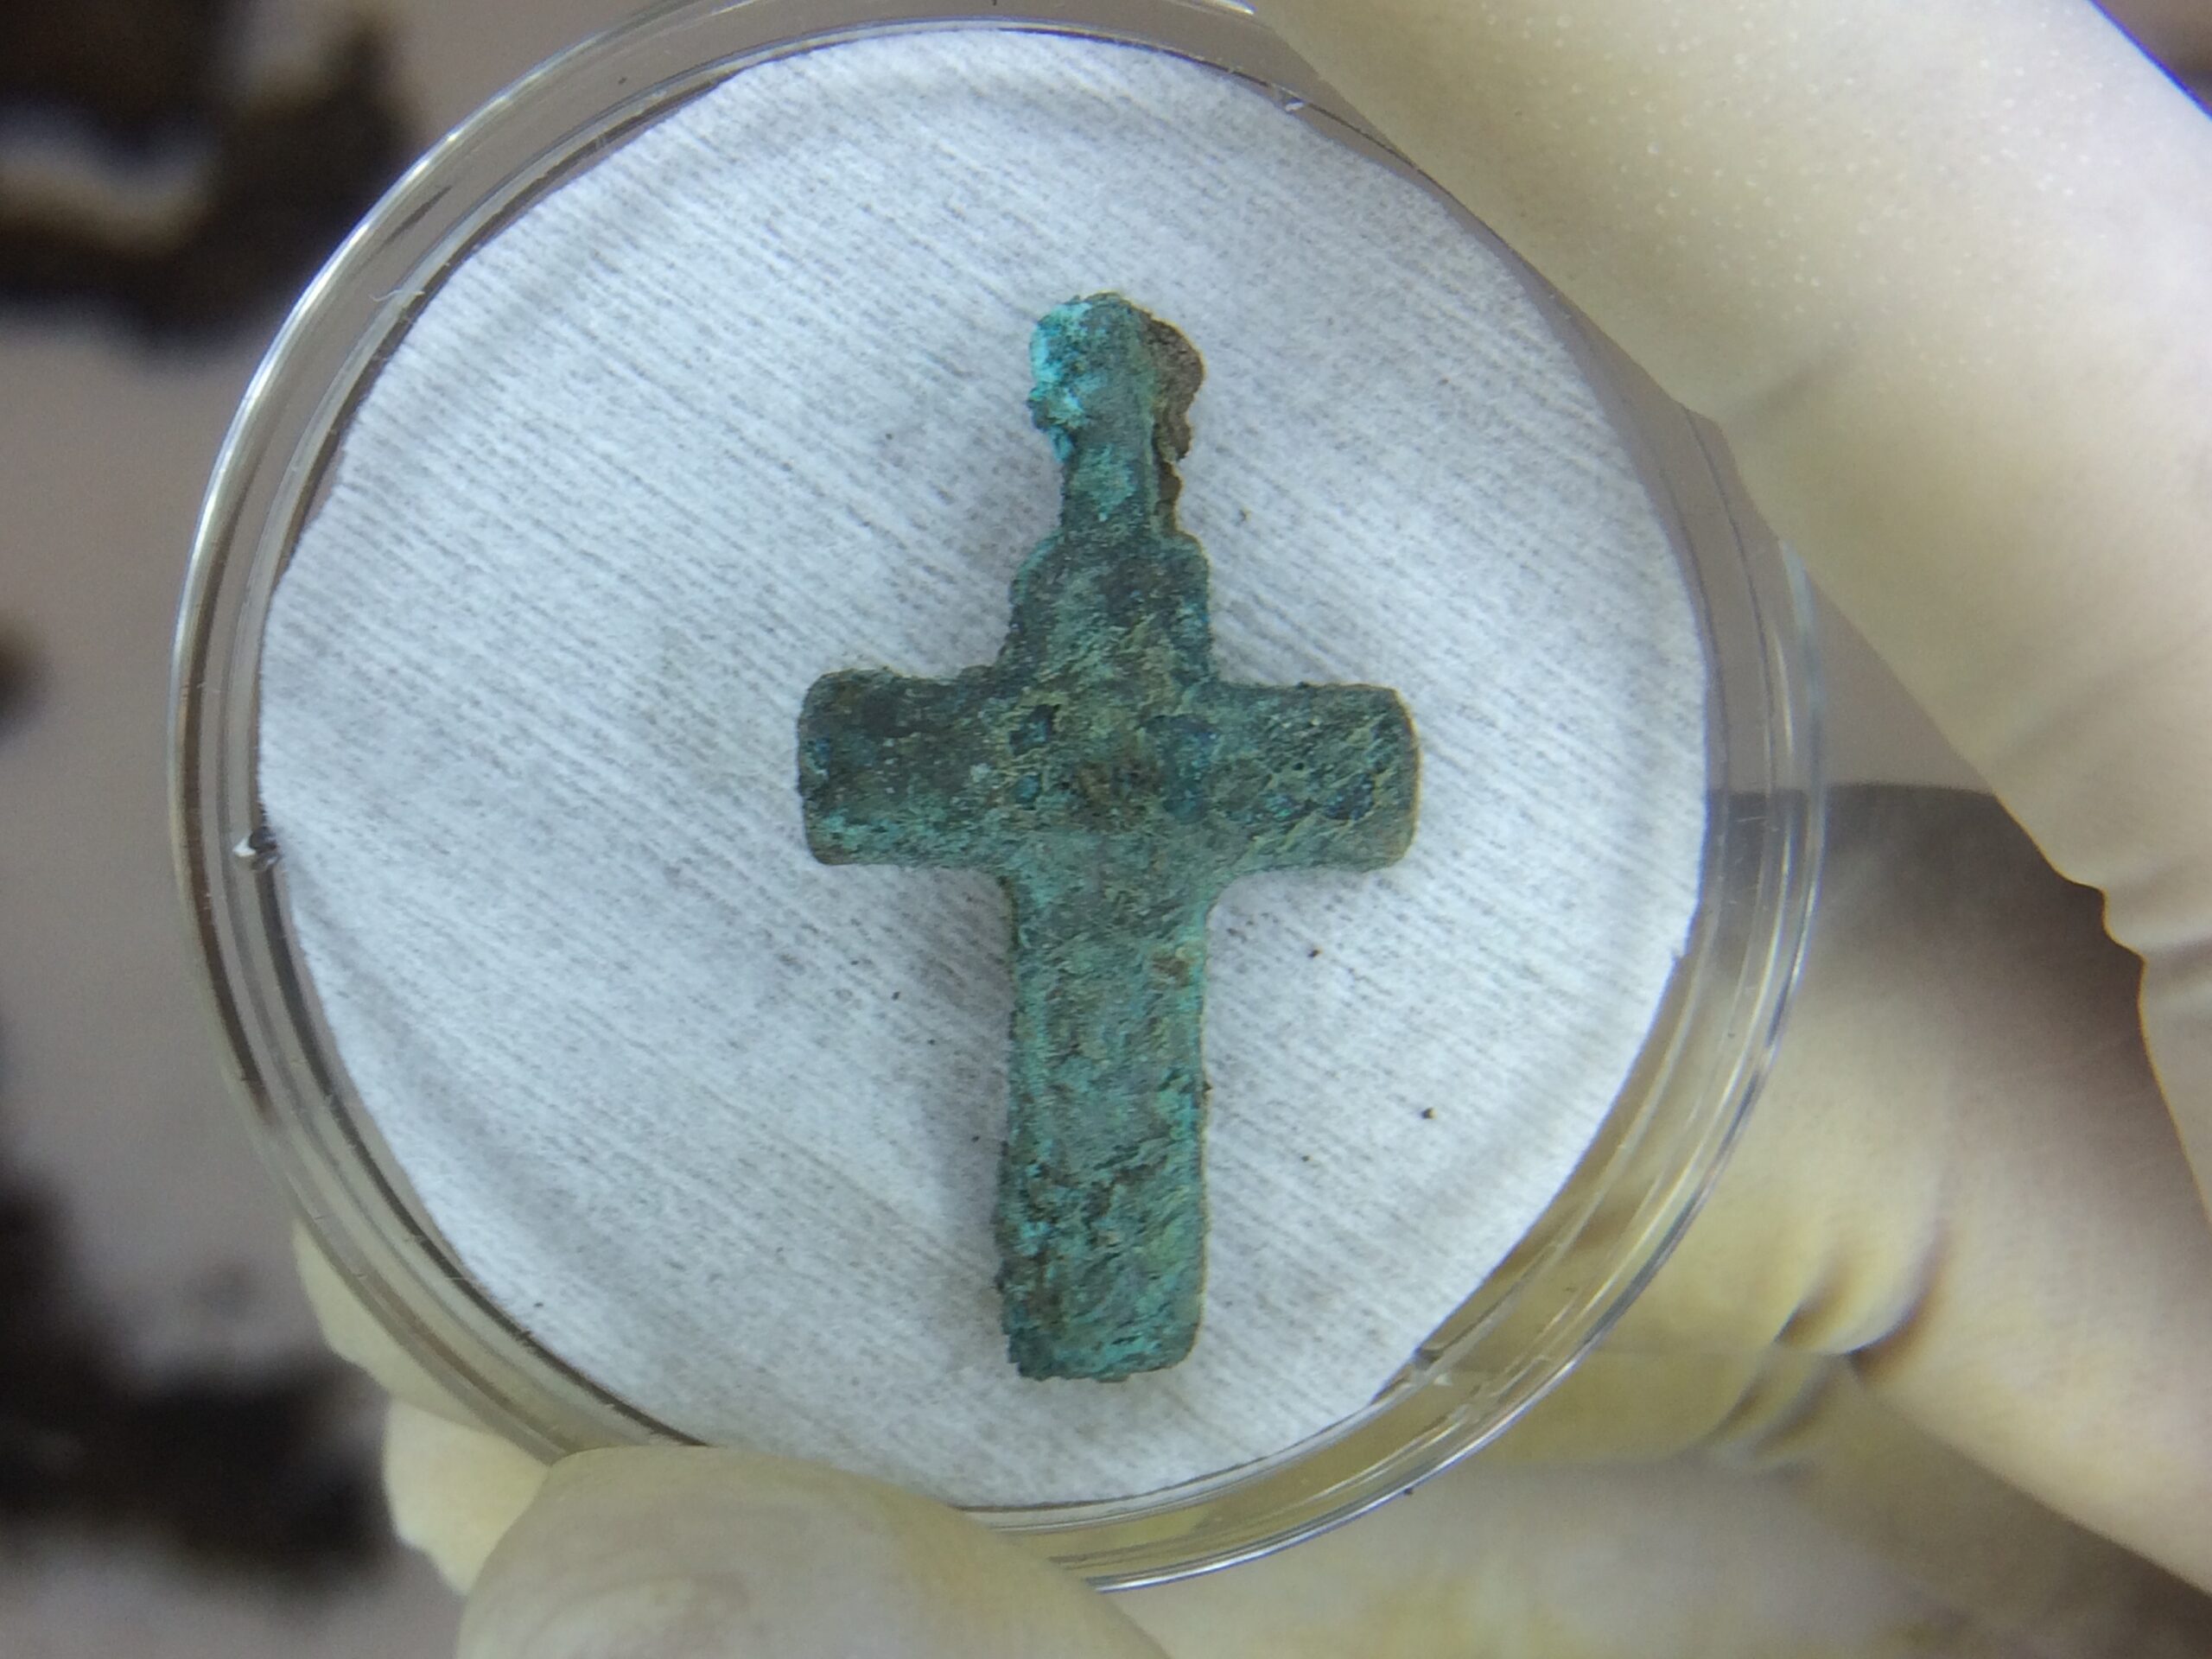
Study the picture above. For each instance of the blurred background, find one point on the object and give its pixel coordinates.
(181, 1471)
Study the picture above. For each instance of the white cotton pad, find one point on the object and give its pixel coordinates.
(743, 404)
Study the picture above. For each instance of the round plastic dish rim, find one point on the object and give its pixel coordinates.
(1519, 1333)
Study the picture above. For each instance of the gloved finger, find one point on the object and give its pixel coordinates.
(453, 1488)
(1959, 1176)
(664, 1553)
(454, 1491)
(355, 1334)
(1940, 273)
(1973, 1541)
(1961, 1179)
(692, 1552)
(1659, 1561)
(1976, 1542)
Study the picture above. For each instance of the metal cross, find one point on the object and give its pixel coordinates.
(1110, 779)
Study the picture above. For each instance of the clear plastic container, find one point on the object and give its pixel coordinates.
(1516, 1334)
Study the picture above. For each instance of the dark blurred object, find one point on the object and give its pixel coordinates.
(129, 66)
(19, 677)
(287, 173)
(253, 1474)
(2177, 33)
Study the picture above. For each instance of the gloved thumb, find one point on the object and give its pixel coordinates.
(668, 1553)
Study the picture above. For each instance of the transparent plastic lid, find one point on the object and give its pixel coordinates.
(363, 1109)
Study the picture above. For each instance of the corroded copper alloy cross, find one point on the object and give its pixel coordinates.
(1115, 785)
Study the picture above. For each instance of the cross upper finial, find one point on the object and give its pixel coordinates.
(1112, 391)
(1115, 785)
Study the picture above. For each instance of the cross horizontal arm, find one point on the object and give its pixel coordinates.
(887, 774)
(1314, 776)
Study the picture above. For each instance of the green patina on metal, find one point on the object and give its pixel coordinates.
(1115, 785)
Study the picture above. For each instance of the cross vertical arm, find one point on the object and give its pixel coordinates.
(1102, 1201)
